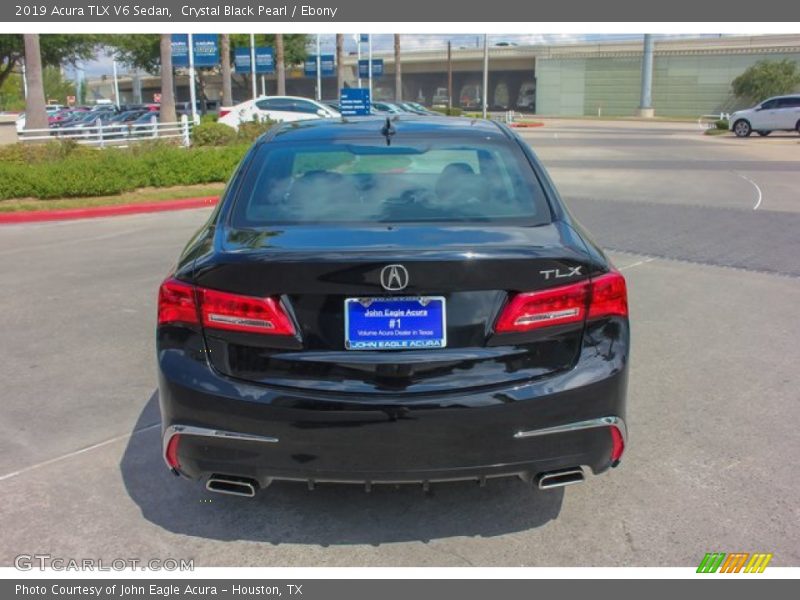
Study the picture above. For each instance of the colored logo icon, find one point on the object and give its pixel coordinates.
(736, 562)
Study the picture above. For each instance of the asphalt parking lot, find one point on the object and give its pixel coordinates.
(707, 232)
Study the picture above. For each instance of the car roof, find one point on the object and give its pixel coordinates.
(363, 127)
(282, 98)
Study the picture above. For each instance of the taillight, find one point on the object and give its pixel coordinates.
(533, 310)
(171, 453)
(176, 303)
(617, 445)
(221, 310)
(223, 112)
(180, 302)
(603, 296)
(609, 296)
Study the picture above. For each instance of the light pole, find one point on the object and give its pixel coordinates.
(116, 83)
(485, 72)
(319, 72)
(253, 65)
(449, 76)
(78, 85)
(646, 104)
(358, 69)
(369, 42)
(192, 93)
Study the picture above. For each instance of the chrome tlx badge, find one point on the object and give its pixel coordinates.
(559, 274)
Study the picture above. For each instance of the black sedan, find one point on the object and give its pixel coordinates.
(400, 300)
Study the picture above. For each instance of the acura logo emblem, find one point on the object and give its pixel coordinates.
(394, 278)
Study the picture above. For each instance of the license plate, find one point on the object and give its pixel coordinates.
(395, 323)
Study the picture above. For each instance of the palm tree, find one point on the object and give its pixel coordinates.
(398, 77)
(339, 65)
(227, 89)
(167, 114)
(280, 67)
(35, 111)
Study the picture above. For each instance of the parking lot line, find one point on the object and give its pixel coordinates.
(50, 461)
(755, 185)
(636, 264)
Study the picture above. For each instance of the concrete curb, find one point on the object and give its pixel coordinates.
(92, 212)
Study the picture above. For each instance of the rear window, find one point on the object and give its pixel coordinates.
(369, 182)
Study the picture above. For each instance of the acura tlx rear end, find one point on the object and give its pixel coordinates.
(391, 301)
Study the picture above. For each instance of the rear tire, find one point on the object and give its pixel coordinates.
(797, 127)
(742, 128)
(764, 133)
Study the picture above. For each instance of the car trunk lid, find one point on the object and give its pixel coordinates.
(313, 270)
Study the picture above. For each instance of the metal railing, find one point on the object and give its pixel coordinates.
(102, 134)
(709, 121)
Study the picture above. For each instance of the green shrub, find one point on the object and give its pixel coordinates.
(25, 154)
(450, 112)
(63, 171)
(251, 130)
(211, 133)
(721, 124)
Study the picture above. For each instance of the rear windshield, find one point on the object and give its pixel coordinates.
(371, 182)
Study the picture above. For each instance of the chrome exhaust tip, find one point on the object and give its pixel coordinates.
(556, 479)
(233, 486)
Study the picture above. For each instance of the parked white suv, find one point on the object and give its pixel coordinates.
(275, 108)
(781, 113)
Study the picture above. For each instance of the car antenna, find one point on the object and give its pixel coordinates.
(388, 131)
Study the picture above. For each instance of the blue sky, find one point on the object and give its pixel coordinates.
(412, 42)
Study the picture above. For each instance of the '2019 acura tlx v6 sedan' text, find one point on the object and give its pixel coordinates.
(391, 300)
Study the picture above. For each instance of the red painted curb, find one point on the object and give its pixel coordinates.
(92, 212)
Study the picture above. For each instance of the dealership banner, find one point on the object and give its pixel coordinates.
(344, 11)
(180, 50)
(206, 50)
(327, 65)
(377, 67)
(265, 60)
(241, 60)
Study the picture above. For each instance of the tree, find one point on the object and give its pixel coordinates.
(289, 49)
(767, 78)
(55, 86)
(143, 51)
(280, 64)
(398, 77)
(294, 45)
(12, 96)
(339, 61)
(138, 50)
(35, 112)
(167, 109)
(225, 57)
(55, 50)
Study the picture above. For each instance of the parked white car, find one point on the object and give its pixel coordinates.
(781, 113)
(275, 108)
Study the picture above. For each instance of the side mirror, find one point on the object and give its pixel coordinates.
(322, 112)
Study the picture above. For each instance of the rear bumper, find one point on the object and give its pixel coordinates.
(234, 428)
(209, 451)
